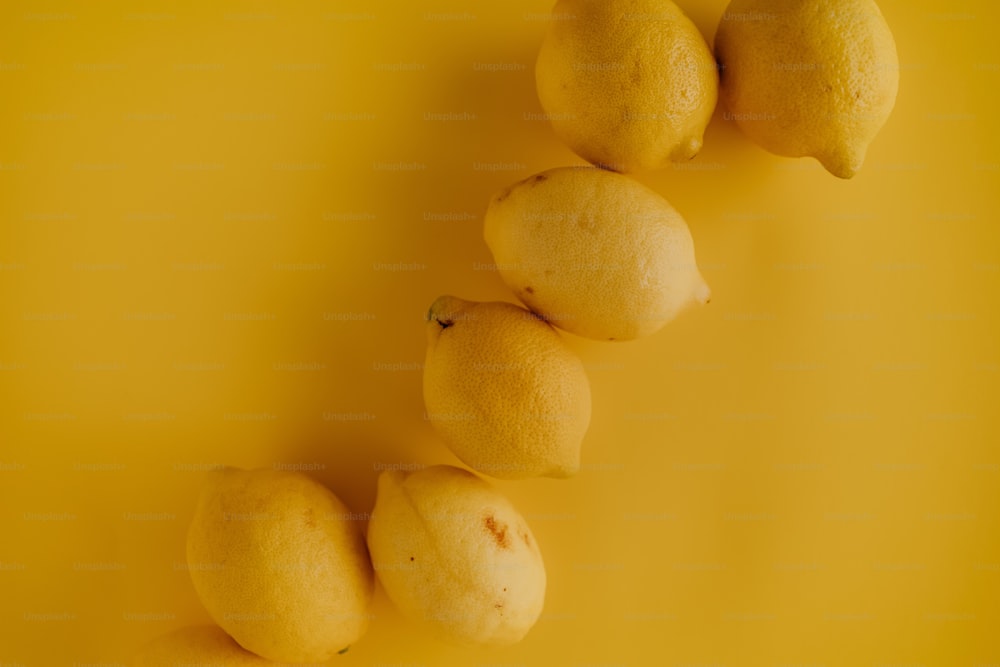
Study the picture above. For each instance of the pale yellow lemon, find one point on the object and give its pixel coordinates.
(455, 556)
(809, 77)
(594, 252)
(504, 391)
(279, 564)
(628, 85)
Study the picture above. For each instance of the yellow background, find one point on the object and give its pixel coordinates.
(203, 226)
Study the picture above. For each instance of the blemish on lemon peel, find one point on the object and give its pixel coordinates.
(498, 530)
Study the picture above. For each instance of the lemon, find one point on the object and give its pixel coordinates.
(809, 77)
(594, 252)
(628, 85)
(503, 390)
(279, 564)
(197, 645)
(455, 556)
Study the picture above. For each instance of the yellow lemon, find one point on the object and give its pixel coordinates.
(809, 77)
(503, 390)
(197, 645)
(454, 555)
(628, 85)
(279, 564)
(594, 252)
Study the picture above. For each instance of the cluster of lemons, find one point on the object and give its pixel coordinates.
(631, 86)
(278, 560)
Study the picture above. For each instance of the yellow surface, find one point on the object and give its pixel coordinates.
(221, 225)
